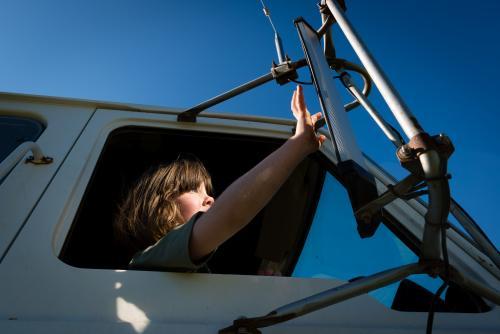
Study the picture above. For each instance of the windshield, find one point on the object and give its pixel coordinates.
(334, 249)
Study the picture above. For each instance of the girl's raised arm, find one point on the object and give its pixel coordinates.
(246, 196)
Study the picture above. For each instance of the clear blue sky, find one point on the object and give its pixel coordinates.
(442, 56)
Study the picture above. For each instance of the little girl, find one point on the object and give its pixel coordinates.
(170, 220)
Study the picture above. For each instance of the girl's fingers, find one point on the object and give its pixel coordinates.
(295, 106)
(292, 103)
(301, 101)
(316, 117)
(298, 104)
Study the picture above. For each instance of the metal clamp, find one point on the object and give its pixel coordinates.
(284, 72)
(408, 154)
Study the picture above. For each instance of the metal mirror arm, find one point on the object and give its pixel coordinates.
(340, 65)
(401, 112)
(388, 130)
(360, 97)
(282, 73)
(335, 63)
(398, 190)
(286, 71)
(325, 31)
(422, 154)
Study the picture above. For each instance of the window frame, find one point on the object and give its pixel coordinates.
(37, 128)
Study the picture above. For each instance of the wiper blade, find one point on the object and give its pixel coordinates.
(325, 298)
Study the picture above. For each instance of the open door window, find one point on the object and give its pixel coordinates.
(274, 237)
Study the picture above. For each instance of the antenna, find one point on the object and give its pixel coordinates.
(277, 38)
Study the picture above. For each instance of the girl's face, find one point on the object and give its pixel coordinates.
(194, 201)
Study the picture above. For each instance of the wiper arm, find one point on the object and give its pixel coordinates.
(324, 299)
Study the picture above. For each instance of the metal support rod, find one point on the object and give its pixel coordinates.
(439, 204)
(388, 131)
(190, 114)
(328, 46)
(325, 26)
(338, 65)
(348, 290)
(433, 167)
(367, 211)
(408, 122)
(329, 297)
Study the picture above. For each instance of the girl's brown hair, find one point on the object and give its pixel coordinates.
(149, 210)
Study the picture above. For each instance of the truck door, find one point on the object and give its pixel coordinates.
(54, 126)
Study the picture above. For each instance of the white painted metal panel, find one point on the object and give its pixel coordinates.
(20, 191)
(44, 294)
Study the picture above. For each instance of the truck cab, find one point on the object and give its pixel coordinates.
(61, 269)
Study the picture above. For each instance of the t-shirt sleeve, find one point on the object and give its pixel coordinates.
(170, 252)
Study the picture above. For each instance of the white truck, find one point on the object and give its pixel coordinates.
(61, 270)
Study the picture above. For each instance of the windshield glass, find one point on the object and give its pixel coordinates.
(333, 248)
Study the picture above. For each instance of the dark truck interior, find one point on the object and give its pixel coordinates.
(275, 235)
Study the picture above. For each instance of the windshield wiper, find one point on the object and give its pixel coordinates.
(324, 299)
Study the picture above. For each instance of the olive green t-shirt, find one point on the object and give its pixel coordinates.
(171, 252)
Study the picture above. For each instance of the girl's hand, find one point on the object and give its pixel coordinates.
(305, 132)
